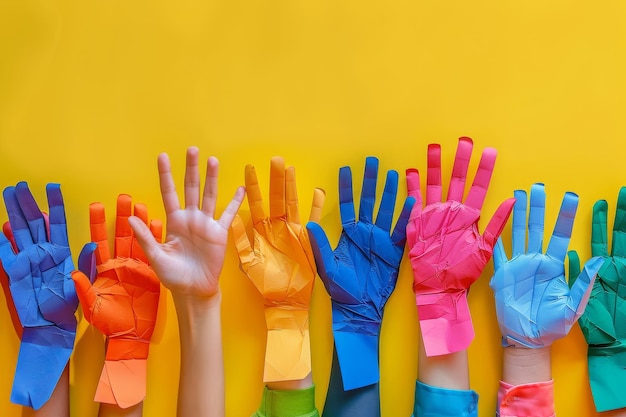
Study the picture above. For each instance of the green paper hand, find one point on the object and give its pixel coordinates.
(604, 321)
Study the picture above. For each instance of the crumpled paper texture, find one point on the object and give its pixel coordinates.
(279, 261)
(361, 273)
(37, 261)
(604, 321)
(120, 297)
(446, 250)
(534, 303)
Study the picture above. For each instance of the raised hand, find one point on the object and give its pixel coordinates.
(604, 321)
(280, 263)
(38, 267)
(361, 273)
(120, 297)
(534, 303)
(446, 250)
(191, 259)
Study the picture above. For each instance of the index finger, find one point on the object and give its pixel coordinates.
(557, 248)
(346, 196)
(168, 189)
(319, 196)
(19, 227)
(31, 212)
(477, 193)
(599, 239)
(98, 228)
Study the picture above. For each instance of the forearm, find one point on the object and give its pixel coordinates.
(526, 388)
(59, 403)
(307, 382)
(449, 371)
(201, 387)
(442, 389)
(524, 366)
(113, 410)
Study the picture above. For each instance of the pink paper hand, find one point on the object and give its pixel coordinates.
(446, 250)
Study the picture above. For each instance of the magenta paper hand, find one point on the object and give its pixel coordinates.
(446, 250)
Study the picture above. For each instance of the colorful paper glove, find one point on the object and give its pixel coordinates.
(446, 250)
(42, 290)
(120, 297)
(534, 303)
(604, 321)
(280, 263)
(361, 273)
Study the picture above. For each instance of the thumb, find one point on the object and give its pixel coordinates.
(86, 293)
(581, 289)
(145, 238)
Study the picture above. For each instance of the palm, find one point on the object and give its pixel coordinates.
(446, 248)
(192, 257)
(534, 273)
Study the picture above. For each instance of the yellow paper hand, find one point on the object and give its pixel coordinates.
(280, 263)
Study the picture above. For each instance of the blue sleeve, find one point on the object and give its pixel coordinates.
(440, 402)
(359, 402)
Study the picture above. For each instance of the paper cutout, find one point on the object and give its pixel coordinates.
(120, 297)
(604, 321)
(361, 273)
(446, 250)
(534, 303)
(42, 291)
(280, 263)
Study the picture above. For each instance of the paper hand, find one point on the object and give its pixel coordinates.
(38, 268)
(446, 250)
(280, 263)
(534, 303)
(604, 321)
(361, 273)
(120, 297)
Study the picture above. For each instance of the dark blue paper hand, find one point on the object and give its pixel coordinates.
(42, 290)
(361, 273)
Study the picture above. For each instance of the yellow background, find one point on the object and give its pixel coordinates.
(92, 91)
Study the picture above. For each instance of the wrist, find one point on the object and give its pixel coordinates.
(524, 365)
(194, 306)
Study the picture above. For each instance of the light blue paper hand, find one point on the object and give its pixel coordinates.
(361, 273)
(42, 289)
(534, 304)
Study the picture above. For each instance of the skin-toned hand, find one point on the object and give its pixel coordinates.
(189, 264)
(120, 297)
(446, 249)
(282, 267)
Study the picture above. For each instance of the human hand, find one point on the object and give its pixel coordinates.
(191, 259)
(604, 321)
(534, 303)
(38, 268)
(120, 297)
(446, 250)
(361, 273)
(282, 267)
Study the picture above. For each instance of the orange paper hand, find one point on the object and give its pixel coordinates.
(281, 265)
(121, 302)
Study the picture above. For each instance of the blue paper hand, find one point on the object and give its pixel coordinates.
(534, 304)
(42, 290)
(361, 273)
